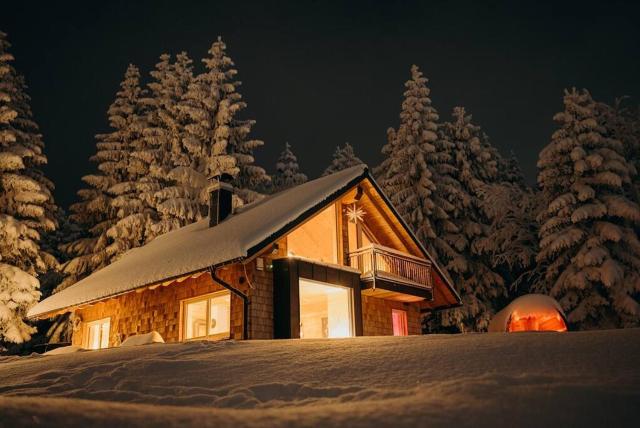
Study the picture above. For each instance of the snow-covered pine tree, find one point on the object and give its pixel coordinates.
(161, 149)
(213, 142)
(133, 212)
(416, 160)
(99, 209)
(287, 173)
(511, 241)
(380, 171)
(201, 152)
(251, 178)
(26, 203)
(588, 244)
(622, 120)
(475, 165)
(343, 158)
(509, 170)
(57, 329)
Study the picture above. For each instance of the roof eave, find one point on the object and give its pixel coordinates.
(257, 248)
(49, 314)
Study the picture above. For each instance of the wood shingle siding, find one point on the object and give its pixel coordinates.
(159, 309)
(376, 316)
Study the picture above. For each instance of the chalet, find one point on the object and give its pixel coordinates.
(328, 258)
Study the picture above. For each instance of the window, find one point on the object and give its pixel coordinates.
(316, 239)
(207, 317)
(399, 320)
(97, 334)
(325, 310)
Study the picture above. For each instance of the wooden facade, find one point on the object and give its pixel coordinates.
(372, 255)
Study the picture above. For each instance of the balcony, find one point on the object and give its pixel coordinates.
(392, 274)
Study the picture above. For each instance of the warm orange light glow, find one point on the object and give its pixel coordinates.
(539, 321)
(317, 238)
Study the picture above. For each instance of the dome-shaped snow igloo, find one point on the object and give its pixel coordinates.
(532, 312)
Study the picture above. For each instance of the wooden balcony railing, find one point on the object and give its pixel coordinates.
(378, 262)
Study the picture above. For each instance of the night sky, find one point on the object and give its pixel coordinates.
(318, 74)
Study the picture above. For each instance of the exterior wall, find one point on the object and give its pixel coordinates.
(376, 316)
(261, 293)
(261, 307)
(159, 309)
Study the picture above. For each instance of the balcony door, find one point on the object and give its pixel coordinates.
(326, 310)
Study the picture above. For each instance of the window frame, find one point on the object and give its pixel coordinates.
(350, 305)
(207, 298)
(87, 330)
(287, 273)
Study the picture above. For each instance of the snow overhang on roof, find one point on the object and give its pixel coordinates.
(197, 246)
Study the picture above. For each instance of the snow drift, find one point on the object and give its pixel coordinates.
(143, 339)
(527, 379)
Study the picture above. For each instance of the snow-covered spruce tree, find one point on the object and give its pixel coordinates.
(213, 142)
(380, 171)
(511, 241)
(251, 178)
(474, 163)
(161, 149)
(509, 170)
(415, 173)
(133, 212)
(287, 173)
(343, 158)
(108, 199)
(587, 240)
(26, 204)
(200, 152)
(57, 329)
(622, 121)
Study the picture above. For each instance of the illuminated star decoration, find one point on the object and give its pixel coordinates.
(355, 213)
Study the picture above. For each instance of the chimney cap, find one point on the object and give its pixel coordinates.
(222, 177)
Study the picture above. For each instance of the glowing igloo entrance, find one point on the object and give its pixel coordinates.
(532, 312)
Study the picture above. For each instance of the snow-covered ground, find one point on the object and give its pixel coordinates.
(522, 379)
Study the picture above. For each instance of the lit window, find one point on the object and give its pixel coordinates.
(399, 320)
(325, 310)
(208, 317)
(97, 334)
(317, 238)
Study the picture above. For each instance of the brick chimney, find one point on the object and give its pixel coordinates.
(220, 198)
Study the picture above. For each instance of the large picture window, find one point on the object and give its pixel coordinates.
(97, 334)
(317, 239)
(326, 310)
(207, 317)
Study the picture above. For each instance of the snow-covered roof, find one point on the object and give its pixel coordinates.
(197, 246)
